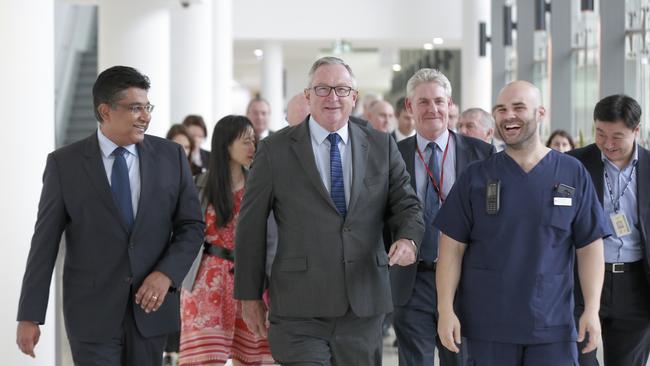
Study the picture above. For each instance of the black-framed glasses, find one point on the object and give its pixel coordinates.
(324, 90)
(138, 108)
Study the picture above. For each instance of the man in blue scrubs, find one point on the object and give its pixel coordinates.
(512, 226)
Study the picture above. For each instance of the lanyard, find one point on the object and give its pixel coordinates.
(617, 203)
(436, 187)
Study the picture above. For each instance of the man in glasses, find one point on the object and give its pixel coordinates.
(331, 185)
(132, 223)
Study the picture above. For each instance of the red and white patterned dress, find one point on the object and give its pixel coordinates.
(212, 327)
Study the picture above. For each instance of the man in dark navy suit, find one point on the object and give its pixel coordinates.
(432, 175)
(132, 223)
(620, 171)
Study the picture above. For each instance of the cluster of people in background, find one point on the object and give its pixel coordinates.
(293, 246)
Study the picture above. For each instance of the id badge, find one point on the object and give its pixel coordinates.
(620, 224)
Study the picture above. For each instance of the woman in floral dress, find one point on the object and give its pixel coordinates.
(212, 328)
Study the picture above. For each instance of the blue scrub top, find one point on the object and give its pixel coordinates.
(517, 281)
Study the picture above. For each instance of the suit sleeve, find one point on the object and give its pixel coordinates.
(404, 210)
(188, 228)
(250, 239)
(50, 223)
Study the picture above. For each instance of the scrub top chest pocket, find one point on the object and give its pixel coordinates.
(562, 206)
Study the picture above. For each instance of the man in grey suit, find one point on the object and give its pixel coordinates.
(432, 175)
(131, 217)
(331, 184)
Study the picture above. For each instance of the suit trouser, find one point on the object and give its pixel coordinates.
(339, 341)
(128, 350)
(416, 325)
(625, 320)
(486, 353)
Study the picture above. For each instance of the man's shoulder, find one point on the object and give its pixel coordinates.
(585, 152)
(76, 149)
(474, 143)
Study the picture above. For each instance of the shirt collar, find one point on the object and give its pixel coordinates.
(107, 146)
(319, 134)
(441, 141)
(635, 158)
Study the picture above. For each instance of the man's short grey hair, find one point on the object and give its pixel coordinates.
(428, 76)
(486, 118)
(330, 60)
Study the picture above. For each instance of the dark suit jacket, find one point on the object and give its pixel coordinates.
(324, 264)
(104, 264)
(468, 149)
(591, 159)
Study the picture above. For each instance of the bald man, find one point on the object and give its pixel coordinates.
(297, 109)
(381, 115)
(512, 227)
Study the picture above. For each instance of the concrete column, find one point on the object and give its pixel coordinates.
(562, 79)
(136, 34)
(526, 40)
(222, 59)
(272, 83)
(27, 104)
(612, 47)
(191, 60)
(476, 72)
(497, 49)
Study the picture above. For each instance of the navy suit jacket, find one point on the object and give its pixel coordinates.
(590, 157)
(104, 263)
(468, 149)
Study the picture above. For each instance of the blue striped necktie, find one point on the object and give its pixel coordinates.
(337, 188)
(121, 186)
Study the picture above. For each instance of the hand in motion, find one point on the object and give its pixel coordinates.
(254, 314)
(152, 292)
(27, 336)
(402, 252)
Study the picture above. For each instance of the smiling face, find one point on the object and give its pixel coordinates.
(616, 140)
(119, 123)
(331, 112)
(429, 105)
(517, 114)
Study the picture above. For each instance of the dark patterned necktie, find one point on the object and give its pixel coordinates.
(121, 187)
(337, 187)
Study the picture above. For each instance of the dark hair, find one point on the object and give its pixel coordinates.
(560, 133)
(400, 106)
(618, 107)
(195, 120)
(218, 191)
(113, 81)
(178, 129)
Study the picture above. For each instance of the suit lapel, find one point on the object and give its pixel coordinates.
(594, 165)
(304, 152)
(359, 142)
(407, 149)
(147, 171)
(643, 200)
(462, 158)
(94, 167)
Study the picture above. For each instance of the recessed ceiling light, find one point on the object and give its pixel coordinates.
(258, 53)
(438, 40)
(428, 46)
(397, 67)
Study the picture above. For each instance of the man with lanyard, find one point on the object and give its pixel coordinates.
(433, 157)
(620, 170)
(512, 227)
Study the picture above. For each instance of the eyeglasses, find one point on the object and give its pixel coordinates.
(340, 91)
(137, 108)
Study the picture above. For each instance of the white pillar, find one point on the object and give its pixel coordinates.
(222, 59)
(136, 34)
(476, 71)
(27, 104)
(191, 60)
(272, 76)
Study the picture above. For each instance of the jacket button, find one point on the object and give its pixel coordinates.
(131, 245)
(128, 279)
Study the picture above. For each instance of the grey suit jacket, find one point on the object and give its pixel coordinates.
(104, 263)
(468, 149)
(324, 264)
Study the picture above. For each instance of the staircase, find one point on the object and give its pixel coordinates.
(82, 120)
